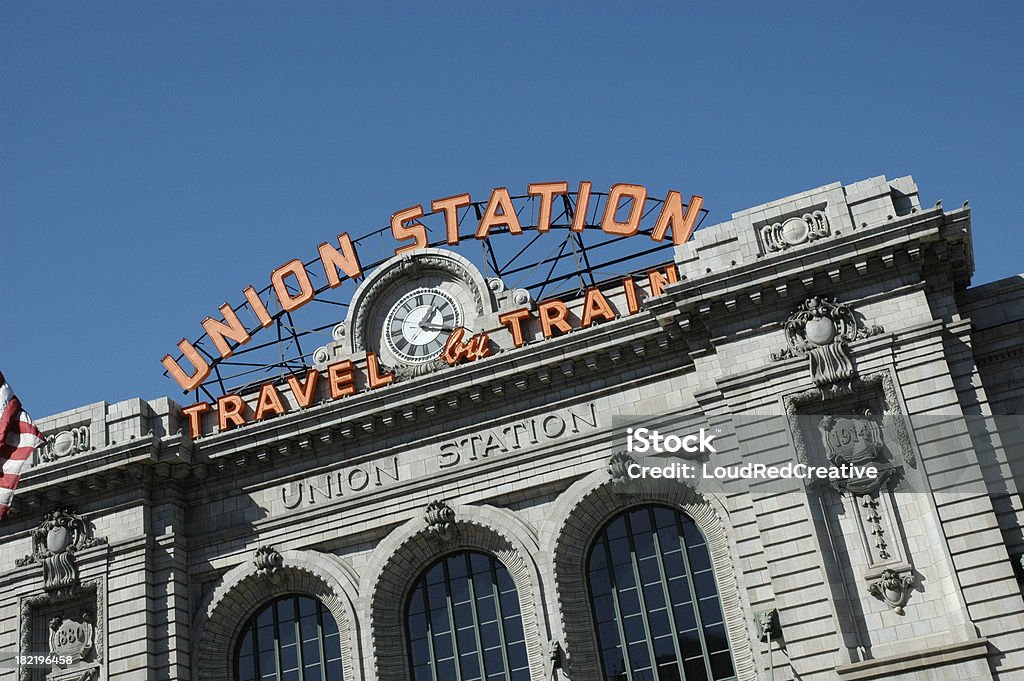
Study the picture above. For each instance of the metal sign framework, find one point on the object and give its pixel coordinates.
(590, 256)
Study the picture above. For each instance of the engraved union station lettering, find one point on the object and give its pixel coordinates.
(518, 435)
(340, 483)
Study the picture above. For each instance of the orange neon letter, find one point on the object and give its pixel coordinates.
(492, 218)
(672, 216)
(451, 205)
(345, 260)
(415, 231)
(514, 321)
(269, 402)
(635, 192)
(194, 414)
(187, 382)
(258, 308)
(579, 213)
(547, 192)
(293, 268)
(552, 316)
(342, 379)
(219, 331)
(629, 288)
(454, 350)
(595, 306)
(658, 281)
(374, 375)
(304, 392)
(230, 410)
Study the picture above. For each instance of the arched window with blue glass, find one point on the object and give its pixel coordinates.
(463, 622)
(293, 638)
(654, 600)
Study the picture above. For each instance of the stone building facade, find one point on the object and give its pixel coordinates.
(144, 553)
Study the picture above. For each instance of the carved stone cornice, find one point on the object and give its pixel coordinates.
(141, 459)
(915, 242)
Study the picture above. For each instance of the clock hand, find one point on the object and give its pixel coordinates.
(436, 327)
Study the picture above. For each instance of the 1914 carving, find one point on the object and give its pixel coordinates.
(820, 330)
(855, 441)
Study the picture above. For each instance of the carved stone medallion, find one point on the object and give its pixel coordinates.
(73, 639)
(54, 544)
(795, 231)
(819, 330)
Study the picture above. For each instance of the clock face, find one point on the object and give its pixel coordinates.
(418, 325)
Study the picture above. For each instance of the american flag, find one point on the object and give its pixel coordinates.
(18, 439)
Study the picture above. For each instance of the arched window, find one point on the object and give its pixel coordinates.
(654, 600)
(293, 638)
(463, 622)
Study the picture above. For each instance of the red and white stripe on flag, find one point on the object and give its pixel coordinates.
(18, 439)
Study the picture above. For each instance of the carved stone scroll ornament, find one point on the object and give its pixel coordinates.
(54, 545)
(795, 231)
(268, 563)
(819, 330)
(404, 371)
(441, 521)
(893, 589)
(66, 443)
(618, 468)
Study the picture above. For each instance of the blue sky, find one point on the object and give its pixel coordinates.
(157, 157)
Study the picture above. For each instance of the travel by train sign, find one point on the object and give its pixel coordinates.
(625, 211)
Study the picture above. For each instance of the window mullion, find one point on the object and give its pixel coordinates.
(618, 611)
(296, 616)
(430, 630)
(669, 606)
(451, 619)
(277, 639)
(500, 618)
(693, 595)
(256, 650)
(640, 595)
(320, 641)
(476, 616)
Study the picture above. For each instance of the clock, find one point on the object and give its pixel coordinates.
(419, 323)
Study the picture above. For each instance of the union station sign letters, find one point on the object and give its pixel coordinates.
(416, 328)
